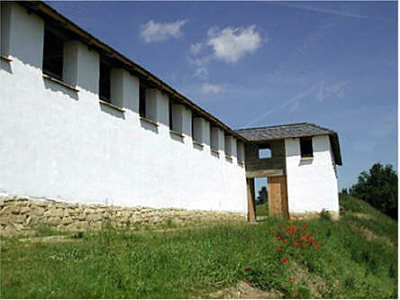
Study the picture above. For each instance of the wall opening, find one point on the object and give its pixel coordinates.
(53, 51)
(5, 28)
(197, 129)
(142, 100)
(105, 82)
(306, 147)
(261, 197)
(264, 151)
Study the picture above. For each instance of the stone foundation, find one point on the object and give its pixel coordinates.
(19, 215)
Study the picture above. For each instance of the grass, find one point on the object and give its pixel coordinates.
(194, 262)
(262, 209)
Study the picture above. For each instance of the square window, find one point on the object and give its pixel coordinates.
(306, 147)
(53, 51)
(264, 152)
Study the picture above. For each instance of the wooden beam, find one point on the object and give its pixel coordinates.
(265, 173)
(251, 212)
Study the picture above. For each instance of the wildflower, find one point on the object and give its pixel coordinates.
(309, 237)
(279, 248)
(284, 241)
(289, 219)
(287, 224)
(291, 279)
(317, 245)
(311, 241)
(303, 237)
(285, 261)
(278, 238)
(295, 243)
(305, 227)
(303, 244)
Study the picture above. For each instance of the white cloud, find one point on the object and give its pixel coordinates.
(196, 48)
(338, 12)
(156, 32)
(209, 88)
(231, 44)
(336, 89)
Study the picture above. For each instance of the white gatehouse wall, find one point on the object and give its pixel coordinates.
(311, 184)
(61, 143)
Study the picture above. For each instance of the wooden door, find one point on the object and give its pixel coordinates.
(277, 196)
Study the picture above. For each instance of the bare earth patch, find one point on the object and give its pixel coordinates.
(369, 235)
(362, 216)
(49, 239)
(243, 290)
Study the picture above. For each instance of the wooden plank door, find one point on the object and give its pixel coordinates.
(277, 196)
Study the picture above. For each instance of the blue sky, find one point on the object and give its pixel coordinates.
(255, 64)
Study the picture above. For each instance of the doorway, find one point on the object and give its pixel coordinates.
(261, 197)
(267, 197)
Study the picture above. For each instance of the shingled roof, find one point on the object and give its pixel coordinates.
(269, 133)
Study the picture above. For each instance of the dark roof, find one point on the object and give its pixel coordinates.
(269, 133)
(57, 20)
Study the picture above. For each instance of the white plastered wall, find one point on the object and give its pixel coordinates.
(65, 145)
(312, 184)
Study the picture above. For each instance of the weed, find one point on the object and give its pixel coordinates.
(192, 262)
(325, 215)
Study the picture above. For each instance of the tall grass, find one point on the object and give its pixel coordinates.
(196, 261)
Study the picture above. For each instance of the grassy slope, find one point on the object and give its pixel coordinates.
(262, 209)
(358, 259)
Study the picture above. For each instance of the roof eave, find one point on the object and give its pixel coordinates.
(87, 38)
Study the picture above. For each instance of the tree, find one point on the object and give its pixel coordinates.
(262, 195)
(378, 187)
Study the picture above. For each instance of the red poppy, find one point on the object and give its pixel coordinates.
(295, 244)
(317, 245)
(287, 224)
(309, 237)
(303, 244)
(311, 241)
(303, 237)
(279, 248)
(285, 261)
(291, 278)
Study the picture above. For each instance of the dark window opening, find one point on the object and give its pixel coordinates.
(5, 27)
(105, 82)
(171, 127)
(142, 101)
(264, 152)
(53, 49)
(306, 147)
